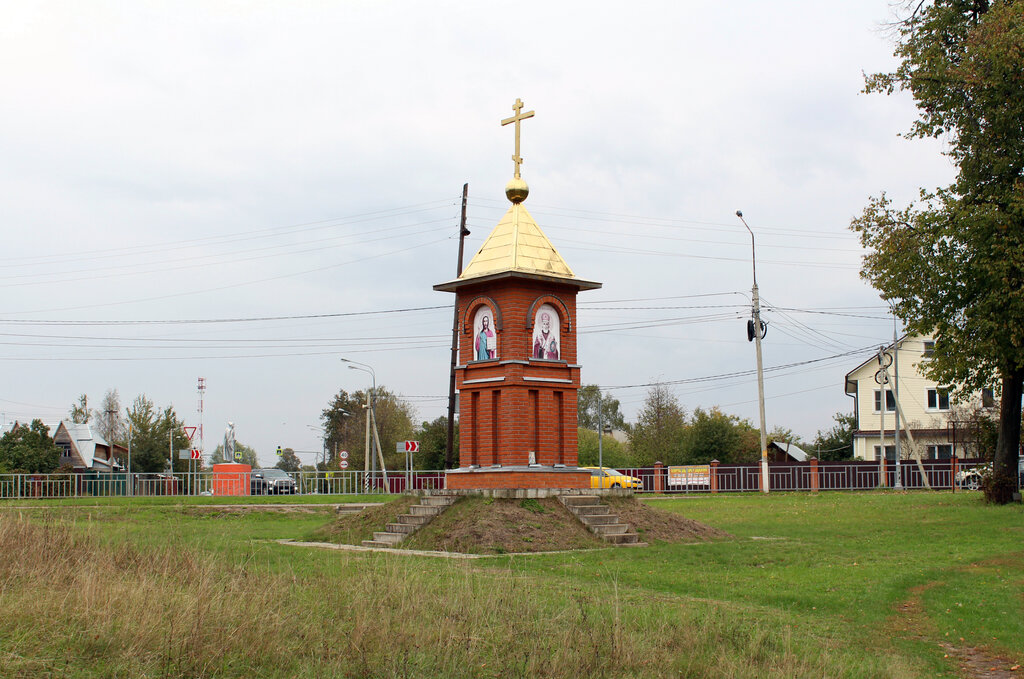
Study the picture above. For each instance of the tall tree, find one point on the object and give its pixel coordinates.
(28, 449)
(109, 423)
(344, 422)
(658, 432)
(80, 412)
(612, 454)
(289, 461)
(152, 435)
(953, 264)
(587, 399)
(714, 435)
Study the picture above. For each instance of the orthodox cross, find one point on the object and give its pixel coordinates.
(517, 107)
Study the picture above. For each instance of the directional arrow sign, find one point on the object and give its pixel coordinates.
(412, 446)
(196, 454)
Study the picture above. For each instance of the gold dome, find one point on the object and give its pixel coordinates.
(517, 190)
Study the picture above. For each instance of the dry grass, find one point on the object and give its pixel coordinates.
(74, 605)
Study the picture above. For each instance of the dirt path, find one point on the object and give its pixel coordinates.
(975, 663)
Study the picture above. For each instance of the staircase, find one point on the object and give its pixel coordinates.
(600, 520)
(407, 524)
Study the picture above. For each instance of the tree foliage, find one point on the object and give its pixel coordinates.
(433, 438)
(837, 442)
(657, 434)
(953, 264)
(152, 435)
(80, 411)
(108, 419)
(289, 461)
(587, 399)
(28, 449)
(714, 435)
(612, 454)
(344, 422)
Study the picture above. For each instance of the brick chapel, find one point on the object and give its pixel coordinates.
(517, 374)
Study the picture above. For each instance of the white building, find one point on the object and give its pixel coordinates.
(938, 426)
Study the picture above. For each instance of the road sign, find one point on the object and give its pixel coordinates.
(184, 455)
(279, 451)
(343, 464)
(238, 456)
(196, 454)
(192, 454)
(407, 447)
(190, 432)
(343, 454)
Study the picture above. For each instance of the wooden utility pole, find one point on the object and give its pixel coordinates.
(449, 453)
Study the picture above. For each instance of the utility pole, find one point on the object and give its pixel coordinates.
(756, 327)
(449, 451)
(896, 392)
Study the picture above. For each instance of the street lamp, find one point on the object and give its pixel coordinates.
(369, 462)
(757, 335)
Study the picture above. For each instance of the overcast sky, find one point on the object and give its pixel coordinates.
(225, 162)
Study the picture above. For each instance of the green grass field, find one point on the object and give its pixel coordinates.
(828, 585)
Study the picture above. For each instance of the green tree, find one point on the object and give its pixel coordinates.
(344, 422)
(28, 449)
(288, 461)
(153, 434)
(613, 452)
(837, 442)
(433, 438)
(80, 412)
(953, 264)
(658, 432)
(714, 435)
(587, 409)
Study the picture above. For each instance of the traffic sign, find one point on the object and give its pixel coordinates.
(343, 454)
(190, 432)
(196, 454)
(407, 447)
(279, 451)
(343, 463)
(238, 456)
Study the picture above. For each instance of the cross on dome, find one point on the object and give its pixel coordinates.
(519, 116)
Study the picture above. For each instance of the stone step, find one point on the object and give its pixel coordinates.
(406, 528)
(414, 520)
(598, 519)
(606, 529)
(438, 500)
(425, 510)
(353, 507)
(626, 540)
(577, 500)
(377, 544)
(590, 510)
(391, 538)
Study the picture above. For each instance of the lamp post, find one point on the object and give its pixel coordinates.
(896, 392)
(369, 462)
(755, 300)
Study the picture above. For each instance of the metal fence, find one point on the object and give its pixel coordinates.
(715, 478)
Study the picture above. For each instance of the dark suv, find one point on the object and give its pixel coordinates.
(271, 482)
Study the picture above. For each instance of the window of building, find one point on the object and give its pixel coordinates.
(929, 347)
(938, 399)
(890, 453)
(988, 398)
(940, 452)
(890, 400)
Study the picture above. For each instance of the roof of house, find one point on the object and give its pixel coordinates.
(85, 443)
(791, 449)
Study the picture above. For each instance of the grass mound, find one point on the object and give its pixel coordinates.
(354, 528)
(477, 525)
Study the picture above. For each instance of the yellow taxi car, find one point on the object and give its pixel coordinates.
(606, 477)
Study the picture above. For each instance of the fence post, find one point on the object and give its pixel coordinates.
(883, 471)
(815, 482)
(659, 484)
(952, 472)
(714, 475)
